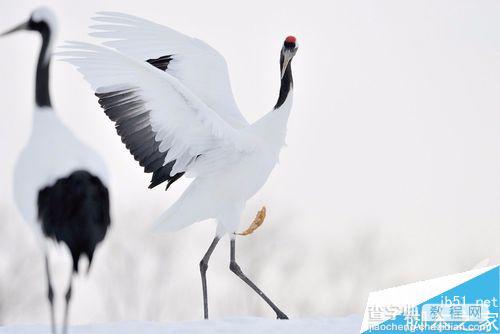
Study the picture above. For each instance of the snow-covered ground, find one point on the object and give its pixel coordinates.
(244, 325)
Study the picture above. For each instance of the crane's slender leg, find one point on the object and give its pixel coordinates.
(203, 271)
(68, 300)
(235, 268)
(50, 295)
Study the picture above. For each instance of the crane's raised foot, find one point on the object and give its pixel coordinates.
(258, 220)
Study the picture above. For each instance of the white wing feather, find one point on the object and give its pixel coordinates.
(197, 65)
(185, 126)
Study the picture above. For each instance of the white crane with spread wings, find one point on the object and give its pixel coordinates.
(171, 100)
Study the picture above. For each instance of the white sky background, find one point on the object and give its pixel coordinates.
(391, 173)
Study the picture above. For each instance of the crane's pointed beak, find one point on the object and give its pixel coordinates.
(22, 26)
(287, 57)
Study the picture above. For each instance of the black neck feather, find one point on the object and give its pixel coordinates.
(42, 95)
(286, 83)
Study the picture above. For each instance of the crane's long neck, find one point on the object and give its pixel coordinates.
(42, 95)
(272, 126)
(286, 84)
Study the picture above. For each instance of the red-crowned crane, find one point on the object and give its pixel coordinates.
(171, 100)
(59, 183)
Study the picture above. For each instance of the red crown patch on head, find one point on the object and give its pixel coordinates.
(290, 39)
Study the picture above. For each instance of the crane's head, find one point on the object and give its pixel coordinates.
(288, 51)
(41, 19)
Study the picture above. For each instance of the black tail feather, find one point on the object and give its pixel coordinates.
(75, 210)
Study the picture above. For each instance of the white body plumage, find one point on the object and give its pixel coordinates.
(222, 195)
(52, 152)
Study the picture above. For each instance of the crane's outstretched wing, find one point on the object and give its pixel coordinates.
(165, 126)
(195, 64)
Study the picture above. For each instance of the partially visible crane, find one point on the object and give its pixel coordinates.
(60, 185)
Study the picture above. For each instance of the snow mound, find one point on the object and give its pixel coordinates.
(247, 325)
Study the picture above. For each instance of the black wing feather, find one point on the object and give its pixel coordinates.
(75, 210)
(126, 108)
(133, 125)
(161, 63)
